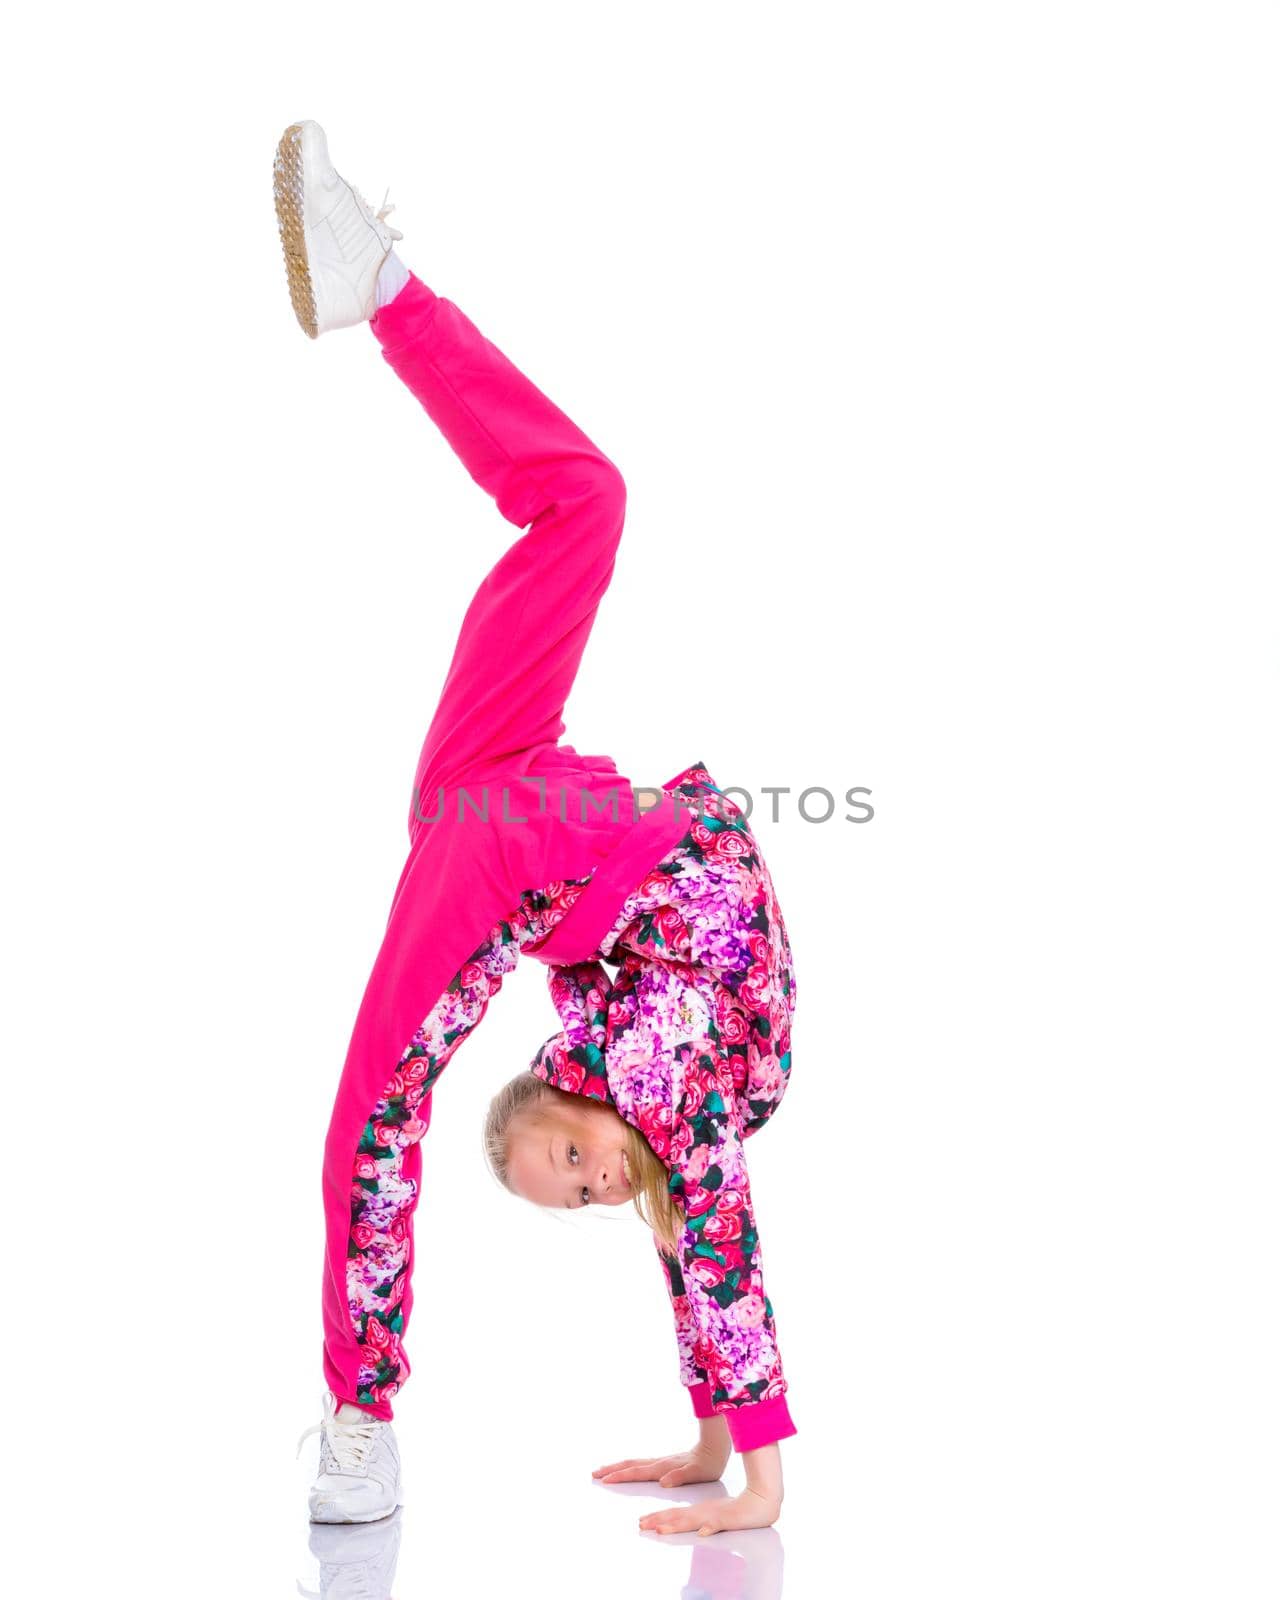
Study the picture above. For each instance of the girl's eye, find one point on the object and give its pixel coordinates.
(573, 1161)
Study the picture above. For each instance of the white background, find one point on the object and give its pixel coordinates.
(938, 345)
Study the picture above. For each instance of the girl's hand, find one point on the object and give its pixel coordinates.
(703, 1464)
(746, 1510)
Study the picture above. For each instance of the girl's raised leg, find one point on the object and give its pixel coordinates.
(524, 632)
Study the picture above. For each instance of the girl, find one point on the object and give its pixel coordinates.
(667, 956)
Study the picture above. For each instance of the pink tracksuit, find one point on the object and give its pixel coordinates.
(519, 845)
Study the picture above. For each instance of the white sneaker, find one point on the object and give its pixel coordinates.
(334, 242)
(359, 1479)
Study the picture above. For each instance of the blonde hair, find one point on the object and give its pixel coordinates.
(534, 1102)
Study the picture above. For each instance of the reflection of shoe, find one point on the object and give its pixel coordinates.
(334, 242)
(356, 1563)
(359, 1477)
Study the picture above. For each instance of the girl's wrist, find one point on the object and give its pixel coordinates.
(714, 1430)
(713, 1438)
(763, 1467)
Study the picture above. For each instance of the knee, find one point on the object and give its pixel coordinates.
(589, 503)
(608, 493)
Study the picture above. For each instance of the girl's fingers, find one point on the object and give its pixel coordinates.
(644, 1473)
(685, 1520)
(636, 1467)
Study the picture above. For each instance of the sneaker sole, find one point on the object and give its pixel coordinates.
(293, 233)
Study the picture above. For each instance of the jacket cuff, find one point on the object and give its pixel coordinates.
(763, 1422)
(700, 1395)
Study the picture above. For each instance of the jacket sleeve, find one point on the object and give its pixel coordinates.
(574, 1058)
(692, 1375)
(719, 1254)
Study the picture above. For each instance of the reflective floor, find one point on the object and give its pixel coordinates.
(377, 1560)
(484, 1543)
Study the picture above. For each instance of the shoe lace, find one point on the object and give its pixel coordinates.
(350, 1443)
(382, 213)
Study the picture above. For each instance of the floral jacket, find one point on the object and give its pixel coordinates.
(690, 1042)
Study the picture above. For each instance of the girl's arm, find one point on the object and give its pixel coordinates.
(692, 1375)
(720, 1258)
(719, 1266)
(763, 1465)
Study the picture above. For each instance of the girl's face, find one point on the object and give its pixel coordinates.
(576, 1158)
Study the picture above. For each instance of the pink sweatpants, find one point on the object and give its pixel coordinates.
(495, 738)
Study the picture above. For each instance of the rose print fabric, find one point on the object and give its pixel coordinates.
(690, 1041)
